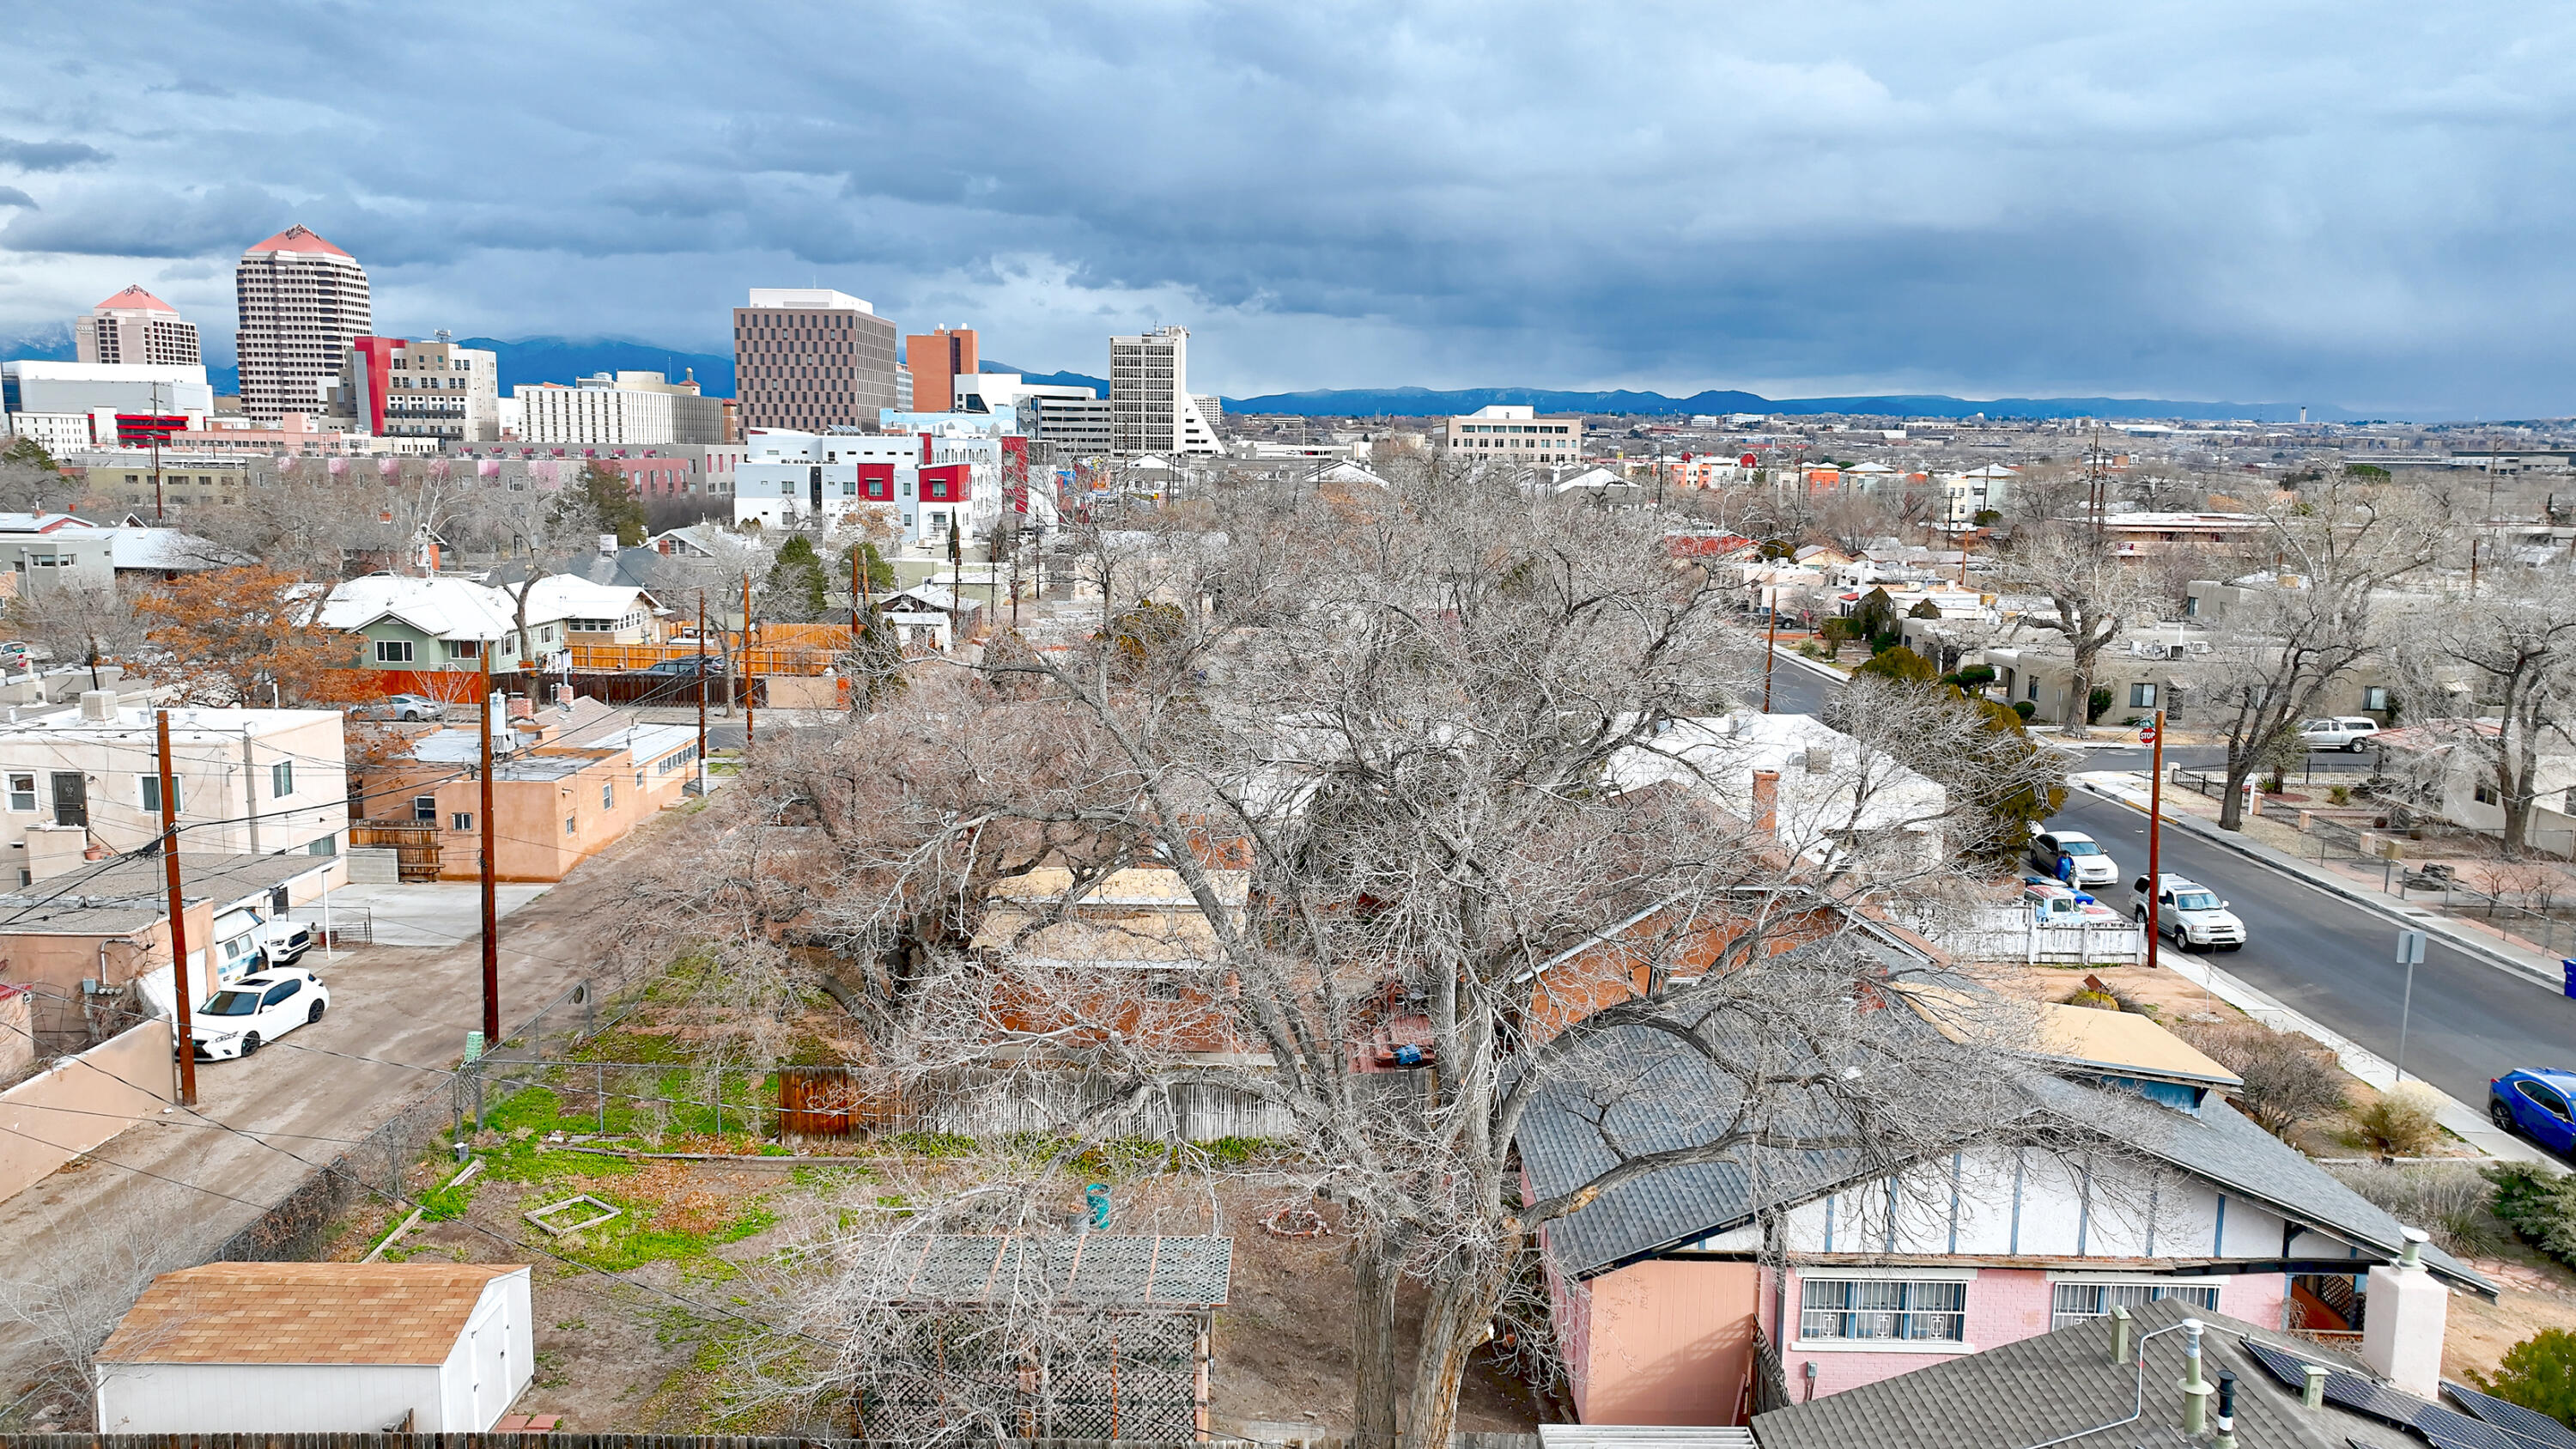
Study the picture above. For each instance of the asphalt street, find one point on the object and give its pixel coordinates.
(2317, 953)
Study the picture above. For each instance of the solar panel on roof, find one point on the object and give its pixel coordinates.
(2539, 1429)
(2365, 1395)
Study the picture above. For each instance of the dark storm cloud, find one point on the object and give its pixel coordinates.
(2179, 197)
(48, 155)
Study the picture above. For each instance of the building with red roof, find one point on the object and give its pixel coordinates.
(303, 301)
(135, 326)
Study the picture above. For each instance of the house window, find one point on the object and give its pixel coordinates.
(2073, 1303)
(2486, 794)
(2142, 696)
(2374, 697)
(152, 794)
(281, 779)
(464, 648)
(424, 809)
(2034, 687)
(572, 825)
(324, 845)
(393, 651)
(1863, 1308)
(608, 794)
(22, 792)
(461, 821)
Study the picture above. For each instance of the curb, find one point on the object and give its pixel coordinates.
(2265, 857)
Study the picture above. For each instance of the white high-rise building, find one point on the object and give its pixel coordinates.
(1151, 410)
(596, 410)
(302, 301)
(136, 327)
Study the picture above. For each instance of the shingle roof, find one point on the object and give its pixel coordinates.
(1670, 1097)
(2037, 1389)
(327, 1313)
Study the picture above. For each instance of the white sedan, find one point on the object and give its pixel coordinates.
(257, 1009)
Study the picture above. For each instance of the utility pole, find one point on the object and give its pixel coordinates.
(747, 705)
(157, 506)
(178, 918)
(702, 694)
(2155, 831)
(1770, 644)
(491, 915)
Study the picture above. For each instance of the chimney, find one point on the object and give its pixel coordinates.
(608, 545)
(2313, 1392)
(98, 706)
(2401, 1330)
(1766, 801)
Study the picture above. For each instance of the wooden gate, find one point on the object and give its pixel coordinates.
(835, 1101)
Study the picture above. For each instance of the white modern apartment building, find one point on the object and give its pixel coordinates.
(135, 326)
(921, 485)
(302, 302)
(70, 405)
(394, 387)
(595, 410)
(1151, 409)
(1509, 433)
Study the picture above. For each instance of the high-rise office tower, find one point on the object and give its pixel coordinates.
(1150, 407)
(937, 358)
(303, 301)
(135, 326)
(809, 358)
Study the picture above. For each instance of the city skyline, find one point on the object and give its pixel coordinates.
(2184, 202)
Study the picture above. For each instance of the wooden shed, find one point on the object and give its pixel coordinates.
(319, 1347)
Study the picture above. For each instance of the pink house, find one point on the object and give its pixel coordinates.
(1698, 1294)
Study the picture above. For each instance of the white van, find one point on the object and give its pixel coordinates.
(244, 942)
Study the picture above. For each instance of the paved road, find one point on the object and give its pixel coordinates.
(2318, 953)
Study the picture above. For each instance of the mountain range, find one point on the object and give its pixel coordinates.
(565, 359)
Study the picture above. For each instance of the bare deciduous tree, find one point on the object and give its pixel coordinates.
(2093, 595)
(1370, 739)
(2505, 658)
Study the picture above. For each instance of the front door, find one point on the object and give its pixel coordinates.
(71, 798)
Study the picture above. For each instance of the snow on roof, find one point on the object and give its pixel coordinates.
(443, 608)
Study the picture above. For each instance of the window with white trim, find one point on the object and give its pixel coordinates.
(1934, 1311)
(2073, 1303)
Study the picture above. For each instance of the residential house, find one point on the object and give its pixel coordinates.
(349, 1348)
(929, 616)
(44, 550)
(428, 635)
(249, 781)
(94, 930)
(568, 781)
(1133, 954)
(1824, 795)
(2426, 765)
(2146, 669)
(2128, 1381)
(1690, 1294)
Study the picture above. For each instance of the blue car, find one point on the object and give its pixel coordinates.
(2536, 1103)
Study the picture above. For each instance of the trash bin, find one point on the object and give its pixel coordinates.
(2567, 973)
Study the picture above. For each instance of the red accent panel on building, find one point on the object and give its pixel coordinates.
(142, 430)
(948, 483)
(876, 482)
(925, 450)
(1015, 473)
(379, 355)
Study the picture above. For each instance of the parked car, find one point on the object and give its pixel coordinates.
(2051, 904)
(2192, 914)
(16, 654)
(246, 941)
(2534, 1102)
(254, 1011)
(402, 707)
(687, 666)
(2085, 862)
(2346, 732)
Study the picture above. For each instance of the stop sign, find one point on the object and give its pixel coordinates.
(2147, 736)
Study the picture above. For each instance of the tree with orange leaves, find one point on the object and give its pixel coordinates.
(248, 636)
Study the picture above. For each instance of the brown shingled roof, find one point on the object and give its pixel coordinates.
(348, 1313)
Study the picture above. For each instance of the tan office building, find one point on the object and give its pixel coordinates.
(809, 358)
(1507, 433)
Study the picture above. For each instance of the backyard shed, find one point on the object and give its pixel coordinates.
(319, 1347)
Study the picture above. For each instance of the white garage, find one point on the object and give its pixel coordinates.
(318, 1347)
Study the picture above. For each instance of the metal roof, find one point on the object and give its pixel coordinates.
(1091, 1270)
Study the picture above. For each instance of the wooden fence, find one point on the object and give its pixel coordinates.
(762, 658)
(840, 1101)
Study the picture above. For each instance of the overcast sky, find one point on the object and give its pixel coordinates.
(2358, 204)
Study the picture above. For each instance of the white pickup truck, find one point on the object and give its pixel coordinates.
(246, 941)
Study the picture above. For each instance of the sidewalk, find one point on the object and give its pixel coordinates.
(2462, 1120)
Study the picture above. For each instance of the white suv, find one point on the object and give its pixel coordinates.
(2192, 914)
(2346, 732)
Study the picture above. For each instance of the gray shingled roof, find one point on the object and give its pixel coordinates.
(2037, 1389)
(1669, 1097)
